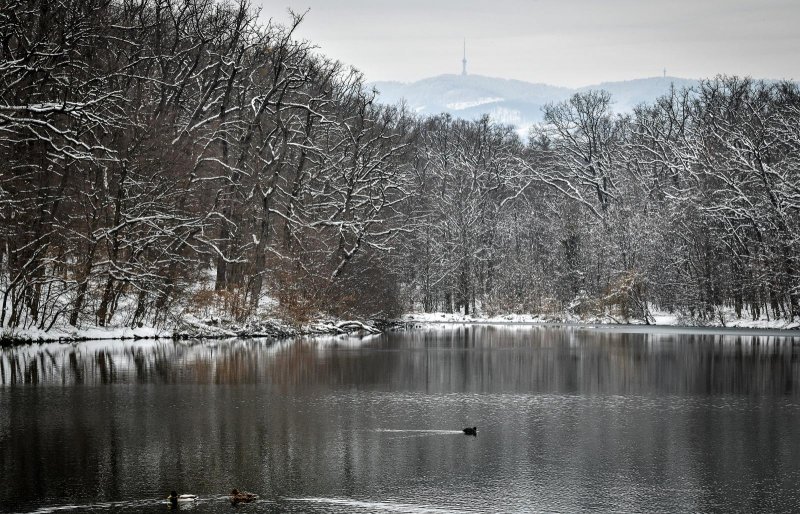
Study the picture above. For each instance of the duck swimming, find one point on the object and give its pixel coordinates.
(242, 496)
(471, 431)
(174, 498)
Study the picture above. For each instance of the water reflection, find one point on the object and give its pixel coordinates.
(465, 358)
(569, 419)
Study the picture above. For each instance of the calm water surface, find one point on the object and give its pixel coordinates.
(568, 419)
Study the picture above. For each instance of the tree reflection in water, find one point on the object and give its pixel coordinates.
(569, 419)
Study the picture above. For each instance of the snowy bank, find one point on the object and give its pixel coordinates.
(190, 326)
(193, 327)
(726, 320)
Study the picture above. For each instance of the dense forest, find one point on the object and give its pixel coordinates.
(171, 156)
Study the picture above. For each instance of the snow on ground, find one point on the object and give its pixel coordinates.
(457, 317)
(659, 319)
(191, 326)
(75, 334)
(457, 106)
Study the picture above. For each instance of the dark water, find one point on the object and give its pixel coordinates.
(568, 419)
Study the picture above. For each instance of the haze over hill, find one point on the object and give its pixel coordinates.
(512, 101)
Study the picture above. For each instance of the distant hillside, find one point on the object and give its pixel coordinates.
(511, 101)
(628, 94)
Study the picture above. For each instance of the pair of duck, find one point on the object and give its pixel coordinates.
(236, 496)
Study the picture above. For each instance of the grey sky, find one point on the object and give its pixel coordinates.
(561, 42)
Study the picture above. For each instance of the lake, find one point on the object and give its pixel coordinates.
(569, 419)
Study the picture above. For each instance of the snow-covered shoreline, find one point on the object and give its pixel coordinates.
(191, 327)
(658, 320)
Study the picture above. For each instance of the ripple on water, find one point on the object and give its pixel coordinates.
(353, 505)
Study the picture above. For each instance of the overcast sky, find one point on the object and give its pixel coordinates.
(561, 42)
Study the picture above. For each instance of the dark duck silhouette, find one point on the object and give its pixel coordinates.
(471, 431)
(242, 496)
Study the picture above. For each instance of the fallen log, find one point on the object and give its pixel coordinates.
(356, 325)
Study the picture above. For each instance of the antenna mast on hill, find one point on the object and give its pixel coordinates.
(464, 60)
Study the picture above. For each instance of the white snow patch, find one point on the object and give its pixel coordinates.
(457, 317)
(657, 318)
(458, 106)
(64, 333)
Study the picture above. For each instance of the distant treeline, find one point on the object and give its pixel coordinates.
(168, 156)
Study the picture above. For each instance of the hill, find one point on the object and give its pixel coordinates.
(514, 102)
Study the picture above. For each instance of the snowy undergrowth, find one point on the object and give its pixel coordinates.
(187, 325)
(200, 312)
